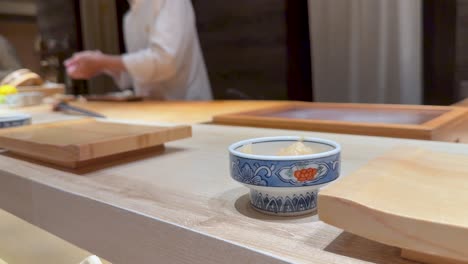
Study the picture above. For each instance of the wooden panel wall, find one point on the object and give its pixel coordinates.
(439, 51)
(244, 45)
(462, 49)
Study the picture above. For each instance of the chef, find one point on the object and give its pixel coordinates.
(164, 59)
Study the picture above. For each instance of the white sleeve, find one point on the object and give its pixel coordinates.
(169, 33)
(122, 80)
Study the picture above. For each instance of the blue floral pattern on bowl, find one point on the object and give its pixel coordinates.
(284, 205)
(281, 173)
(285, 185)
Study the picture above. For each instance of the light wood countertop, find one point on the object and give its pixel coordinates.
(154, 111)
(44, 247)
(181, 206)
(23, 243)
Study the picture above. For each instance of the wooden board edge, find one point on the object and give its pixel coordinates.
(446, 118)
(86, 166)
(185, 132)
(382, 130)
(66, 153)
(454, 131)
(295, 104)
(378, 106)
(428, 258)
(350, 216)
(104, 148)
(260, 111)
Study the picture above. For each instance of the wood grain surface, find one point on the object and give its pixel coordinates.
(151, 111)
(428, 258)
(181, 206)
(410, 198)
(174, 112)
(70, 142)
(23, 243)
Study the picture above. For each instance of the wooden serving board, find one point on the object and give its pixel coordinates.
(46, 90)
(77, 143)
(409, 198)
(442, 123)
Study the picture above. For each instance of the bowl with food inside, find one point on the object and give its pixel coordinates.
(284, 174)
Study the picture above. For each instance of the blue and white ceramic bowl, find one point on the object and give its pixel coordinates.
(14, 120)
(284, 185)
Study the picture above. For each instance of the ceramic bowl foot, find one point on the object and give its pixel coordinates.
(284, 204)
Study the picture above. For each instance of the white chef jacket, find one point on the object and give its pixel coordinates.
(164, 59)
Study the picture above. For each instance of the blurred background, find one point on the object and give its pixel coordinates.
(368, 51)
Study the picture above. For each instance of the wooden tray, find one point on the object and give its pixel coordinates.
(443, 123)
(75, 143)
(46, 89)
(410, 198)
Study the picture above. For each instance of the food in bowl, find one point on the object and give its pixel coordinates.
(294, 149)
(247, 149)
(284, 185)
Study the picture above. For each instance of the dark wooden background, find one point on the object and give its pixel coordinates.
(445, 51)
(255, 49)
(461, 77)
(244, 45)
(260, 49)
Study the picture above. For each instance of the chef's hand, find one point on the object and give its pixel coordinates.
(87, 64)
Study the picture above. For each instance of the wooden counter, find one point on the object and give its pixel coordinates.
(151, 111)
(181, 206)
(23, 243)
(44, 247)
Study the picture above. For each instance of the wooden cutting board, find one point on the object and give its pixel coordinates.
(75, 143)
(410, 198)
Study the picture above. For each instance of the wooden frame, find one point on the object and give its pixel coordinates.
(450, 125)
